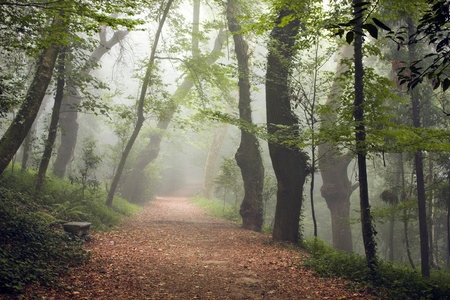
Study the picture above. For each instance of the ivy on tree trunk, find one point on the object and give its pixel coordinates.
(368, 231)
(289, 162)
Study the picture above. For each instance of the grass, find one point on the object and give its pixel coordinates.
(391, 281)
(217, 208)
(33, 245)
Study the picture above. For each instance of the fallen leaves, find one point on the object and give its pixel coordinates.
(172, 250)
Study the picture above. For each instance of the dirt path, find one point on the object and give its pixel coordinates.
(172, 250)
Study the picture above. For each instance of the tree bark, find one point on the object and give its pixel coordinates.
(151, 151)
(19, 128)
(248, 156)
(69, 114)
(418, 159)
(360, 139)
(289, 162)
(140, 111)
(53, 128)
(336, 187)
(29, 139)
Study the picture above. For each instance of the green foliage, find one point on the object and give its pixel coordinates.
(33, 245)
(30, 250)
(229, 180)
(217, 208)
(86, 170)
(393, 281)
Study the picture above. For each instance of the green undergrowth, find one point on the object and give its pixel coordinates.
(390, 281)
(33, 245)
(217, 208)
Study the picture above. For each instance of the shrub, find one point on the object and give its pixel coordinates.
(392, 281)
(33, 245)
(218, 208)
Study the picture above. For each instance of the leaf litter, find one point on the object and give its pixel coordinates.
(173, 250)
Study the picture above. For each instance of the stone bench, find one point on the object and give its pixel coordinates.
(77, 228)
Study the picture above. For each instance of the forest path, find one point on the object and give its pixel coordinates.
(173, 250)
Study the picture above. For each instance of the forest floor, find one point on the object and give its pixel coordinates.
(174, 250)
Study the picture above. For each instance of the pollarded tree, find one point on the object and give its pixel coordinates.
(248, 156)
(288, 161)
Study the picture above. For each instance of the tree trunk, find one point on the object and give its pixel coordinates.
(289, 162)
(19, 128)
(29, 139)
(405, 220)
(151, 151)
(140, 111)
(418, 159)
(211, 161)
(248, 156)
(360, 139)
(69, 114)
(337, 188)
(53, 128)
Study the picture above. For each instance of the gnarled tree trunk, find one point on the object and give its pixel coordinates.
(337, 188)
(248, 156)
(289, 162)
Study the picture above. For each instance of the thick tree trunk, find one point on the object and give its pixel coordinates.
(360, 139)
(69, 130)
(19, 128)
(151, 151)
(69, 113)
(418, 158)
(140, 111)
(289, 162)
(53, 128)
(211, 162)
(337, 188)
(248, 156)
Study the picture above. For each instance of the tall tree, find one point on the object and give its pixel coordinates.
(53, 128)
(248, 156)
(151, 150)
(288, 161)
(337, 188)
(19, 128)
(418, 158)
(72, 100)
(360, 139)
(140, 110)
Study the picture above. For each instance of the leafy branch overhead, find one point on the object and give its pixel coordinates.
(432, 29)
